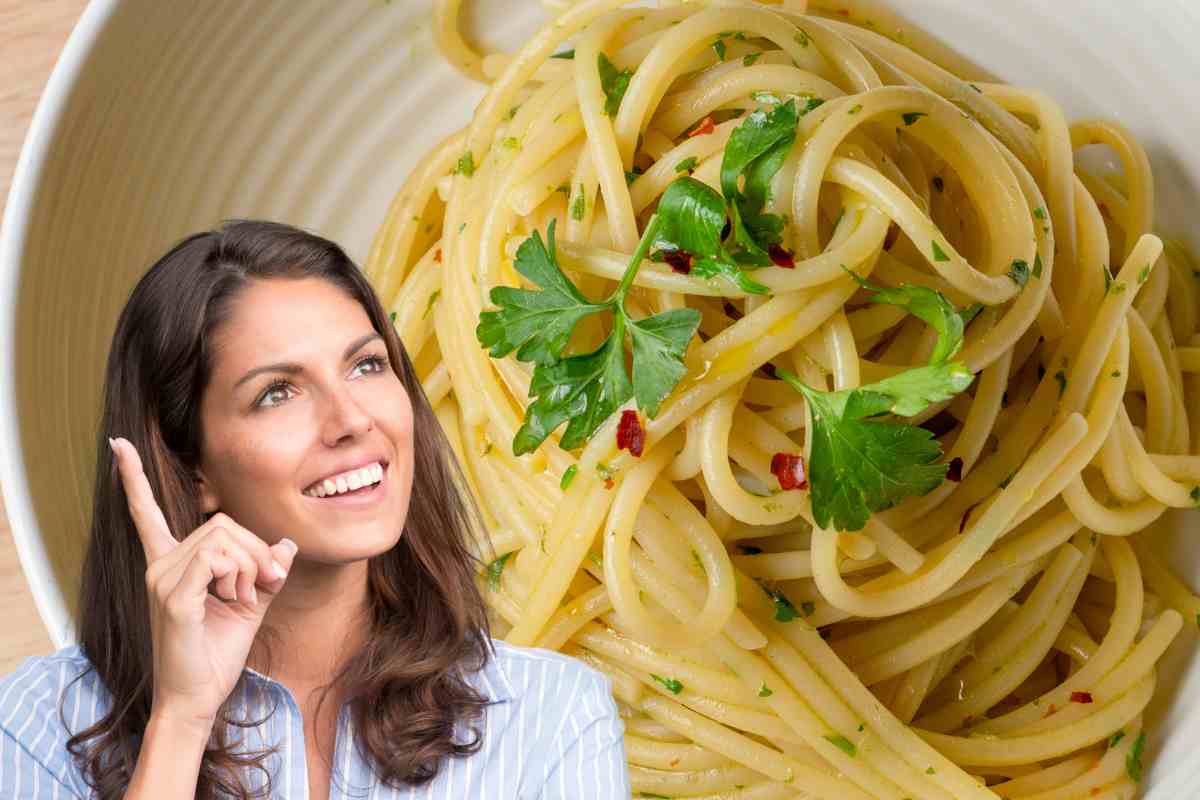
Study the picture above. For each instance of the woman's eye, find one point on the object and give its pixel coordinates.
(277, 389)
(278, 386)
(380, 363)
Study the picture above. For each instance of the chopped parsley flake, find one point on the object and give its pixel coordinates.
(466, 165)
(687, 165)
(938, 253)
(670, 684)
(1019, 272)
(1061, 377)
(1133, 760)
(764, 691)
(567, 476)
(843, 744)
(749, 59)
(432, 299)
(912, 116)
(495, 569)
(855, 109)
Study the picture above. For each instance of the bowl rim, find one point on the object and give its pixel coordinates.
(14, 231)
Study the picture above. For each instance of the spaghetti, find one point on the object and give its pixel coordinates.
(990, 635)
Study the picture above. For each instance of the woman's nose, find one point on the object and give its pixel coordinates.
(345, 417)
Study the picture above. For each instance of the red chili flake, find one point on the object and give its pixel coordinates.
(1081, 697)
(679, 260)
(789, 469)
(731, 310)
(630, 434)
(1095, 789)
(962, 524)
(1051, 710)
(843, 12)
(781, 257)
(768, 368)
(608, 483)
(437, 255)
(954, 470)
(706, 126)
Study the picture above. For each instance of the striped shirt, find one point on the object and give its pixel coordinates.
(550, 730)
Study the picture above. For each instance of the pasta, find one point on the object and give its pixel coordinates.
(992, 633)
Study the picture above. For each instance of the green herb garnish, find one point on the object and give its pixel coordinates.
(567, 476)
(1019, 272)
(581, 390)
(432, 299)
(567, 54)
(613, 83)
(784, 610)
(938, 253)
(843, 744)
(694, 215)
(494, 570)
(764, 691)
(670, 684)
(859, 465)
(466, 165)
(687, 165)
(912, 116)
(1133, 760)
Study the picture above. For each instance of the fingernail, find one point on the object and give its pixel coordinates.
(288, 543)
(112, 445)
(280, 572)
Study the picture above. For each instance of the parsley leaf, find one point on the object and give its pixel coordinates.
(582, 390)
(565, 54)
(858, 465)
(757, 149)
(613, 82)
(693, 217)
(539, 323)
(929, 305)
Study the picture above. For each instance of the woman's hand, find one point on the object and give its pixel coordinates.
(205, 609)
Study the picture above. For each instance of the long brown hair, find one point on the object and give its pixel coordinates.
(427, 615)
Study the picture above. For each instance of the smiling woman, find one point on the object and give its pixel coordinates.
(281, 521)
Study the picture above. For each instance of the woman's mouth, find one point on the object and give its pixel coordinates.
(373, 482)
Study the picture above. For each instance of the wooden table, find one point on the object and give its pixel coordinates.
(32, 34)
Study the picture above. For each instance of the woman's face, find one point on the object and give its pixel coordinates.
(302, 390)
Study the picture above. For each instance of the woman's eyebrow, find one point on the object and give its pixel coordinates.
(292, 368)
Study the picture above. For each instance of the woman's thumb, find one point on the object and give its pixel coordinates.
(284, 552)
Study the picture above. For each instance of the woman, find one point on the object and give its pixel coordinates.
(279, 522)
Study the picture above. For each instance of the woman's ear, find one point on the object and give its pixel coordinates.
(208, 497)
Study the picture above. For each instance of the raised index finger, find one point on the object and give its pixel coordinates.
(148, 518)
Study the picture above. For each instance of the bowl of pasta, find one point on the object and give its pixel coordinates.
(828, 372)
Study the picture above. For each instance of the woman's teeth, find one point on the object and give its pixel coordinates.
(348, 481)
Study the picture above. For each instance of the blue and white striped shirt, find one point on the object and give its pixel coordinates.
(551, 730)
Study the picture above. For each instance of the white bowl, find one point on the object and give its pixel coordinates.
(163, 117)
